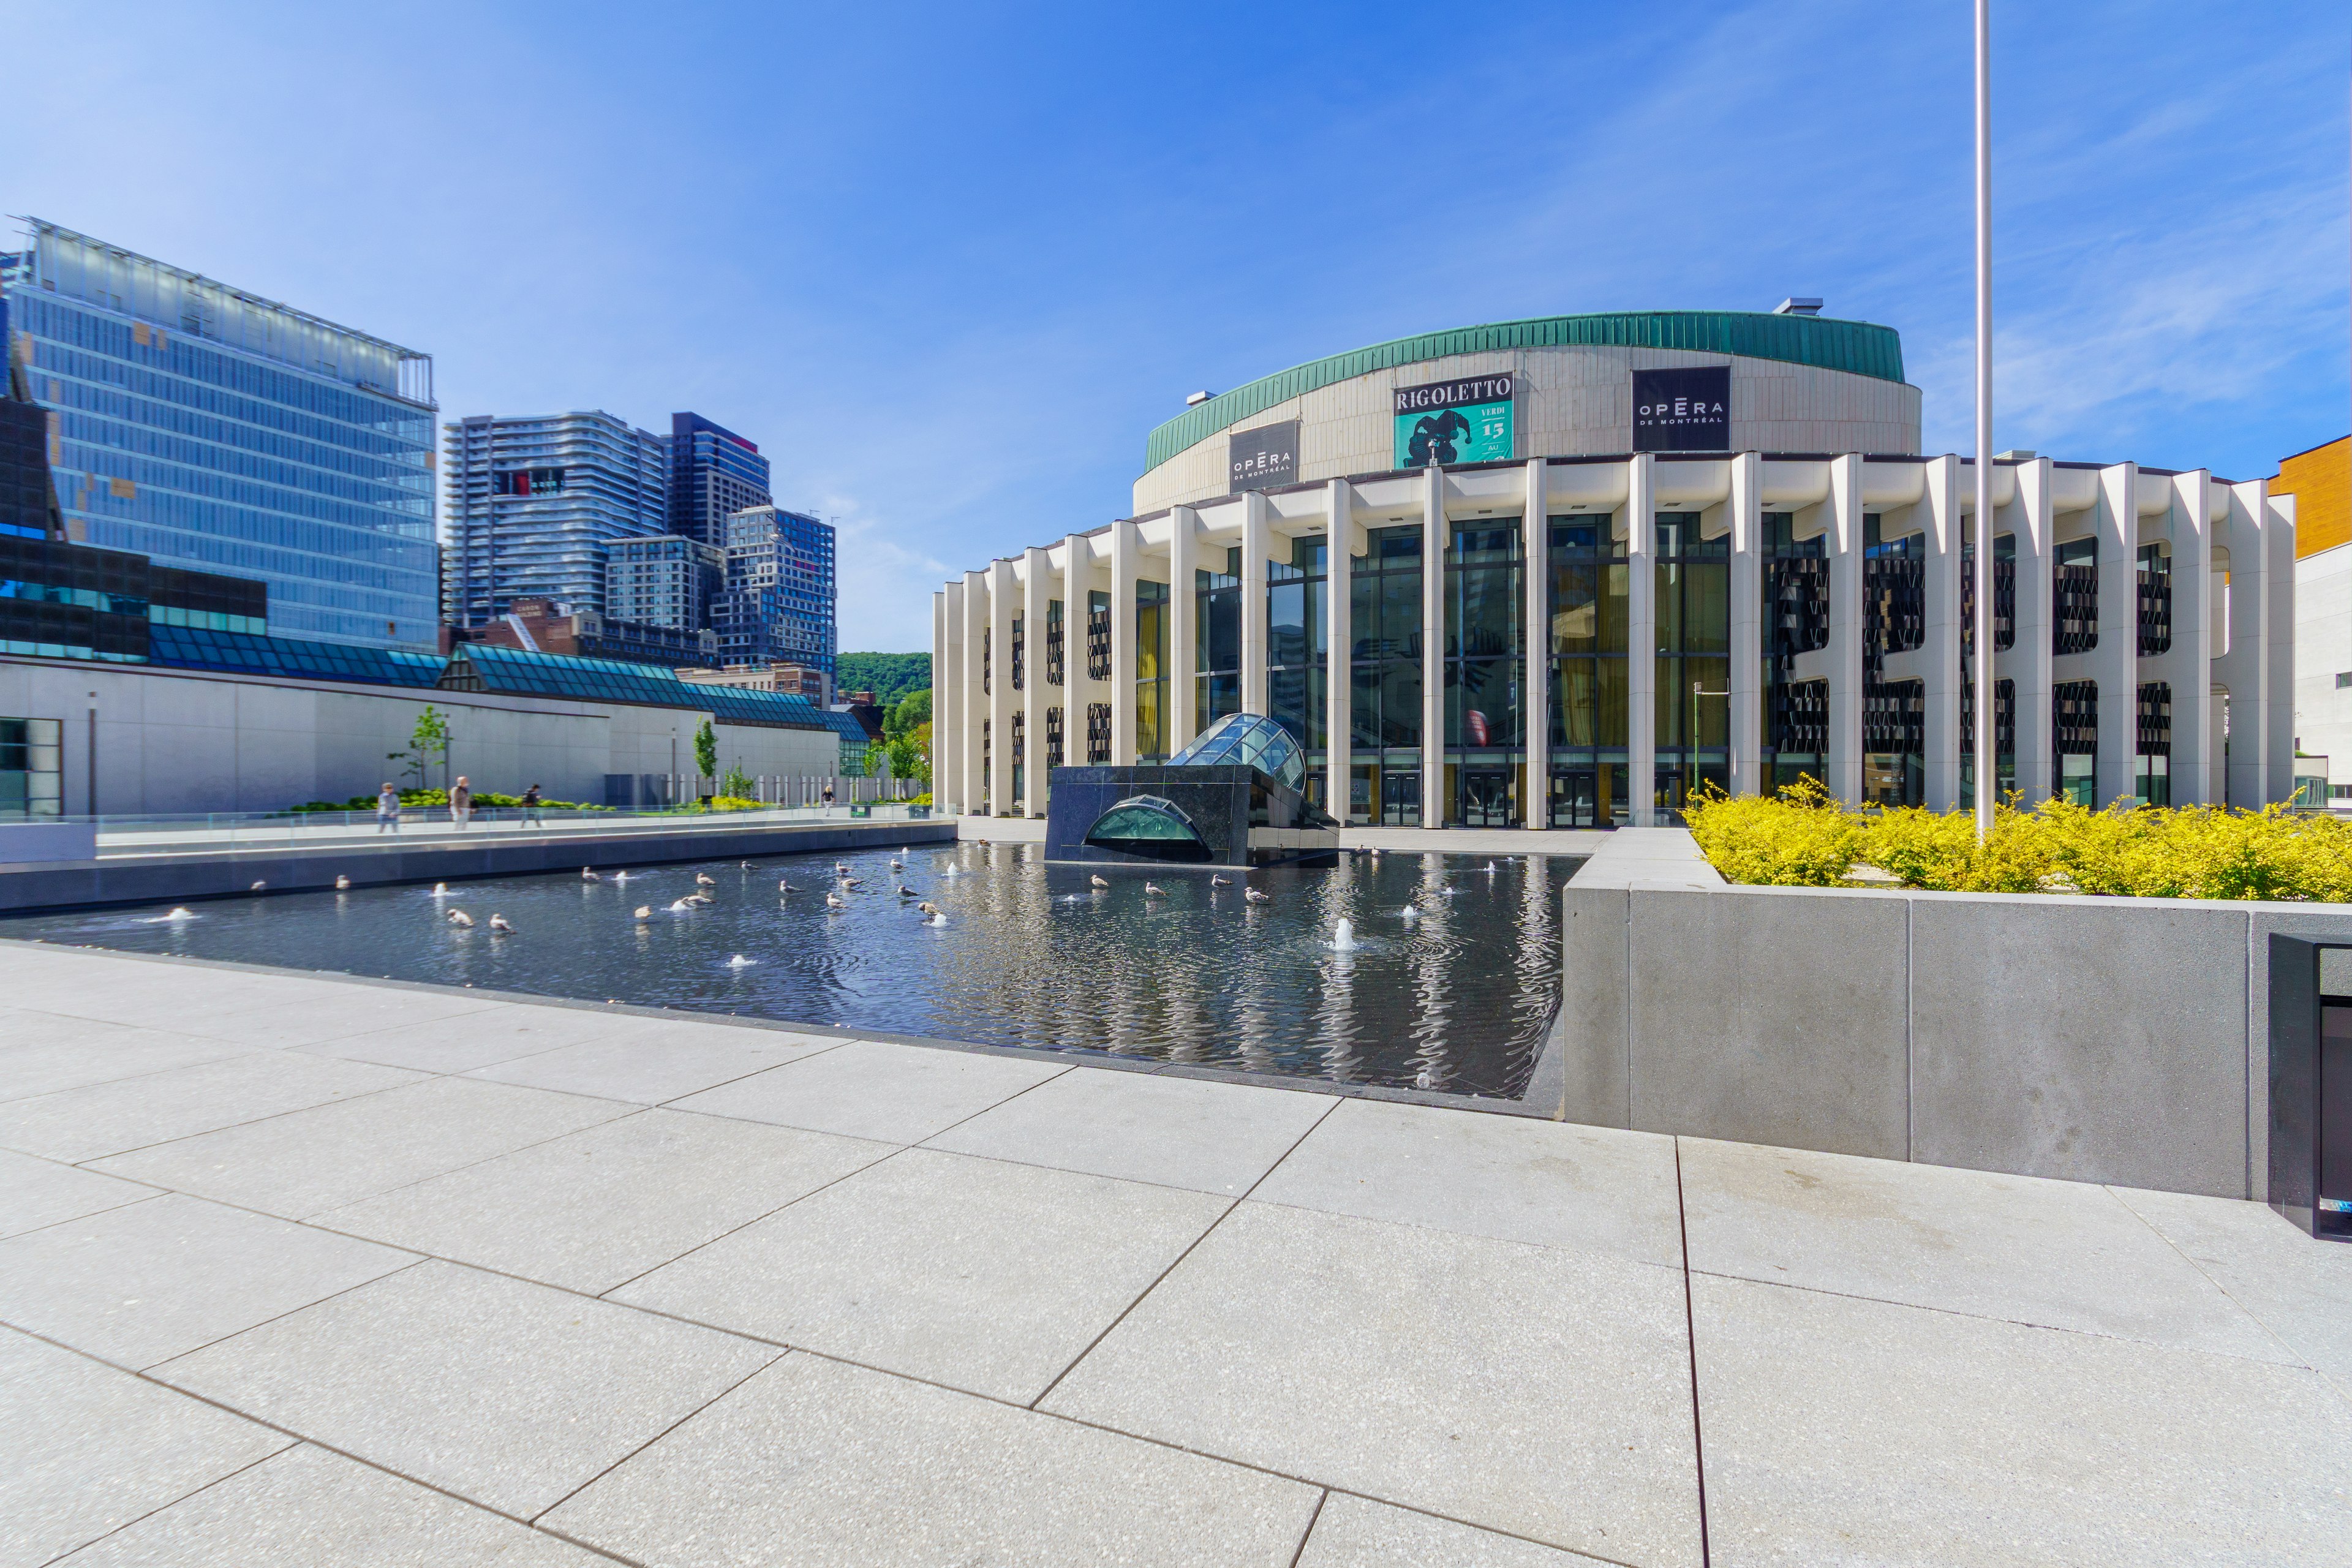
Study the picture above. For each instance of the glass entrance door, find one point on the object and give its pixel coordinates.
(1486, 797)
(1575, 798)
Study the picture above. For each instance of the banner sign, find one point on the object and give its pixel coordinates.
(1683, 410)
(1261, 458)
(1464, 421)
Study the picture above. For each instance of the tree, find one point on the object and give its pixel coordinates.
(738, 784)
(706, 751)
(911, 710)
(910, 753)
(889, 676)
(428, 746)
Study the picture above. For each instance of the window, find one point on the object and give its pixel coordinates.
(1384, 662)
(1298, 633)
(32, 768)
(1586, 607)
(1692, 574)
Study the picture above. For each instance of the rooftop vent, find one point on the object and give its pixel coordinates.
(1198, 398)
(1798, 305)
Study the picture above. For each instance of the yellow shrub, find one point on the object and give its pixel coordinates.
(1800, 838)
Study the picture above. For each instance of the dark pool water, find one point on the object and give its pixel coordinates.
(1029, 954)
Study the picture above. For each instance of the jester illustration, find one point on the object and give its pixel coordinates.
(1433, 437)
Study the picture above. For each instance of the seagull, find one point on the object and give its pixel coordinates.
(342, 884)
(835, 902)
(1154, 890)
(258, 886)
(1255, 897)
(703, 880)
(683, 907)
(739, 961)
(700, 899)
(460, 917)
(1376, 851)
(644, 912)
(1217, 881)
(928, 908)
(744, 865)
(498, 923)
(783, 885)
(905, 891)
(1100, 881)
(841, 868)
(896, 865)
(588, 875)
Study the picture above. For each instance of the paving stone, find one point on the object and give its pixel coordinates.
(655, 1060)
(813, 1464)
(307, 1507)
(1534, 1390)
(2065, 1255)
(595, 1208)
(2299, 1288)
(1842, 1430)
(124, 990)
(90, 1449)
(346, 1011)
(1513, 1178)
(140, 1284)
(1178, 1132)
(1354, 1532)
(459, 1042)
(41, 1053)
(103, 1119)
(981, 1274)
(331, 1155)
(36, 1192)
(871, 1088)
(508, 1394)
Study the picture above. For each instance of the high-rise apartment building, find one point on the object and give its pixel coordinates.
(665, 581)
(210, 428)
(777, 604)
(713, 474)
(535, 504)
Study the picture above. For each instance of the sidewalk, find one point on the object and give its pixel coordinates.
(303, 1271)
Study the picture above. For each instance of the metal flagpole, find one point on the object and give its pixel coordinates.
(1985, 781)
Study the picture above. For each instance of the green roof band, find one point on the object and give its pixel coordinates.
(1858, 348)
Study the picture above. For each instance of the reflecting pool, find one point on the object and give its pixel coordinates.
(1456, 996)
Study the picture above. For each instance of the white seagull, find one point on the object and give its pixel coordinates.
(683, 907)
(644, 912)
(1098, 881)
(1218, 881)
(460, 917)
(1154, 890)
(258, 886)
(1255, 897)
(704, 881)
(836, 902)
(498, 923)
(588, 874)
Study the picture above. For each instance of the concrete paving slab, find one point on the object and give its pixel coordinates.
(330, 1155)
(1553, 1183)
(459, 1042)
(1535, 1390)
(813, 1464)
(140, 1284)
(35, 1193)
(871, 1088)
(979, 1274)
(163, 996)
(1178, 1132)
(41, 1053)
(101, 1119)
(508, 1394)
(307, 1507)
(2062, 1255)
(2299, 1288)
(654, 1060)
(596, 1208)
(1356, 1532)
(1841, 1430)
(91, 1448)
(351, 1010)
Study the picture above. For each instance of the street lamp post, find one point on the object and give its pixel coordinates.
(1982, 523)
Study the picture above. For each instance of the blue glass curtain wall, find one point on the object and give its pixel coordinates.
(1586, 607)
(1384, 661)
(1298, 636)
(1217, 642)
(1693, 576)
(1152, 613)
(1485, 661)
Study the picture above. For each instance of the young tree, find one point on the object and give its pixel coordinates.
(428, 746)
(909, 711)
(706, 751)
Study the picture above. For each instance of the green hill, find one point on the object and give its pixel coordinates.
(889, 676)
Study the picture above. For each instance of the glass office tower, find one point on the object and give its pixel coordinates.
(713, 474)
(779, 599)
(664, 581)
(203, 426)
(535, 504)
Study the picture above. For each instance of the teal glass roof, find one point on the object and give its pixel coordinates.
(1859, 348)
(1250, 740)
(480, 667)
(244, 653)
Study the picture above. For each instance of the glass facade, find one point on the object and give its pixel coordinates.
(1795, 621)
(713, 474)
(1217, 642)
(32, 768)
(1586, 605)
(1693, 584)
(1384, 627)
(1299, 634)
(1485, 661)
(1893, 712)
(779, 599)
(1152, 613)
(196, 424)
(666, 581)
(534, 505)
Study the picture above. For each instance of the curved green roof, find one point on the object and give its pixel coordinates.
(1859, 348)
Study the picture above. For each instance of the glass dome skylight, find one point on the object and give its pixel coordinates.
(1248, 739)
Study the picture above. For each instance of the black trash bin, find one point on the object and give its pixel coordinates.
(2311, 1091)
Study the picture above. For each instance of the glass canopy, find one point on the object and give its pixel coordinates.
(1248, 739)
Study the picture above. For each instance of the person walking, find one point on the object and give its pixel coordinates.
(530, 807)
(387, 808)
(461, 803)
(828, 797)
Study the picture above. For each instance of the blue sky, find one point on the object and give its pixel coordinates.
(949, 265)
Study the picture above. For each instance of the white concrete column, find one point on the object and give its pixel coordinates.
(2244, 670)
(971, 707)
(1745, 731)
(1125, 553)
(1943, 579)
(1842, 539)
(1434, 540)
(1255, 635)
(1079, 690)
(2186, 666)
(1001, 594)
(1183, 629)
(2030, 520)
(1640, 534)
(2115, 661)
(1036, 587)
(947, 659)
(1534, 679)
(1339, 676)
(2278, 604)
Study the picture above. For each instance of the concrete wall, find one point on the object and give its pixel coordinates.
(2119, 1040)
(183, 740)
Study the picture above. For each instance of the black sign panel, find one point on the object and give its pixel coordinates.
(1683, 410)
(1261, 458)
